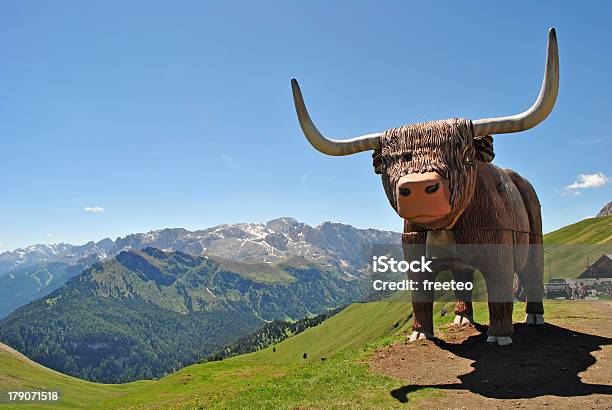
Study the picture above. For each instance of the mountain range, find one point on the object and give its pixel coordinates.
(329, 244)
(23, 285)
(150, 303)
(324, 366)
(40, 254)
(145, 313)
(33, 272)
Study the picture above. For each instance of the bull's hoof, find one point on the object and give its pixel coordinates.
(534, 319)
(500, 340)
(463, 320)
(419, 336)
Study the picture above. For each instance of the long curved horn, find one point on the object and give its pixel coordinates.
(539, 110)
(318, 140)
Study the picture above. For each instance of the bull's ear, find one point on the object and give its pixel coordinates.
(377, 162)
(484, 148)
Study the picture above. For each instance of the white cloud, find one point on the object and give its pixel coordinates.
(587, 181)
(49, 234)
(569, 192)
(94, 209)
(304, 178)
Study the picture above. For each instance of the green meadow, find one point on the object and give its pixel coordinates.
(323, 367)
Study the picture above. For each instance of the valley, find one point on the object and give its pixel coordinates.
(148, 313)
(37, 270)
(351, 374)
(356, 358)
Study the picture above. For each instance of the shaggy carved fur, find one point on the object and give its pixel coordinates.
(493, 210)
(426, 147)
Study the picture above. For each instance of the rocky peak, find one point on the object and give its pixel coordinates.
(605, 211)
(329, 244)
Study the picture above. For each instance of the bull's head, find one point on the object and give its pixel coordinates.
(429, 169)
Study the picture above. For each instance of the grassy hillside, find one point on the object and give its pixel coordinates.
(279, 376)
(17, 372)
(568, 249)
(210, 383)
(588, 231)
(145, 314)
(260, 380)
(355, 326)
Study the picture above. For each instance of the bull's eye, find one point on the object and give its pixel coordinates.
(408, 156)
(404, 191)
(432, 188)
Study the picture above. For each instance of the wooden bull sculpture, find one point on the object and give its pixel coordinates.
(438, 177)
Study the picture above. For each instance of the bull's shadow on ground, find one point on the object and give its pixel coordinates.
(544, 360)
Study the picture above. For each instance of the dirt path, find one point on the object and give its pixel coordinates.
(561, 365)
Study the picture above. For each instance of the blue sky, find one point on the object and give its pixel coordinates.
(179, 114)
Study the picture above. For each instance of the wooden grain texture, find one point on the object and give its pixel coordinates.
(495, 217)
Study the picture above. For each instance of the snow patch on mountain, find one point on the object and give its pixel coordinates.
(330, 244)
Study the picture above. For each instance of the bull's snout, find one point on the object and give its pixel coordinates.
(423, 197)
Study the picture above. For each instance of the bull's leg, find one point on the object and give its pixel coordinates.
(499, 290)
(464, 314)
(422, 325)
(422, 306)
(531, 277)
(501, 329)
(422, 301)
